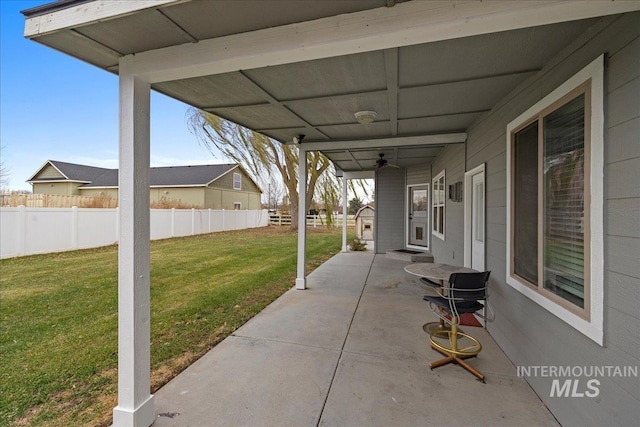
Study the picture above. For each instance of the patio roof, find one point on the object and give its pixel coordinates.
(433, 84)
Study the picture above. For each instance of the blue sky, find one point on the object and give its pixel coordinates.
(53, 106)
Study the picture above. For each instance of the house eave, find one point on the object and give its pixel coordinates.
(51, 181)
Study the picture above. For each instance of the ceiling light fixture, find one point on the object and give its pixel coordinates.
(364, 117)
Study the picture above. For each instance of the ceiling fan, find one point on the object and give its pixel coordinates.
(382, 162)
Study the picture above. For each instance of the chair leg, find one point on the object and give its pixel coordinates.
(453, 353)
(469, 368)
(441, 362)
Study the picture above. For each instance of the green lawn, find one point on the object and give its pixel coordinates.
(58, 315)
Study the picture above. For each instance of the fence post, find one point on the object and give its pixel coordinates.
(223, 220)
(117, 224)
(22, 230)
(193, 221)
(74, 227)
(173, 222)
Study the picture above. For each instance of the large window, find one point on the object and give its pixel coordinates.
(554, 227)
(555, 202)
(438, 206)
(237, 181)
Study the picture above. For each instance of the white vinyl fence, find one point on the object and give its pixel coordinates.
(27, 231)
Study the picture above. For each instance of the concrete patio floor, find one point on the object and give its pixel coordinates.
(348, 351)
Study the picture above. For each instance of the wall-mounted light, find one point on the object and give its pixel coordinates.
(364, 117)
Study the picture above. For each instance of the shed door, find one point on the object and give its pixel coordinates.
(418, 211)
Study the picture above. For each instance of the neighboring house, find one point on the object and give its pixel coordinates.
(224, 186)
(531, 108)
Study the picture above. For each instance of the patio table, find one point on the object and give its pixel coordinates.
(441, 273)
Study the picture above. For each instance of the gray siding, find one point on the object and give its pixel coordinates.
(419, 175)
(226, 182)
(451, 249)
(390, 221)
(529, 334)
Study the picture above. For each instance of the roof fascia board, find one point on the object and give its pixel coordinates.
(405, 141)
(85, 14)
(381, 28)
(47, 181)
(178, 186)
(101, 187)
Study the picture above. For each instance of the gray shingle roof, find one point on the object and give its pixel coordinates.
(75, 172)
(159, 176)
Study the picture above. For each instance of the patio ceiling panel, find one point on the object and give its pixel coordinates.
(143, 31)
(455, 98)
(340, 110)
(256, 116)
(75, 44)
(209, 19)
(502, 53)
(340, 75)
(210, 92)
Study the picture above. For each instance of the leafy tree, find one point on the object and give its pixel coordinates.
(354, 205)
(263, 157)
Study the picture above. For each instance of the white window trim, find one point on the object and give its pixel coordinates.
(468, 198)
(239, 206)
(439, 235)
(239, 181)
(594, 327)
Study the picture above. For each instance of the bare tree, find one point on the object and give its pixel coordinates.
(275, 193)
(263, 157)
(4, 171)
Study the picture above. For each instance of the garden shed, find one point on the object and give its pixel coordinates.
(365, 218)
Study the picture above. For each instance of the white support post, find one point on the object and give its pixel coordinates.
(345, 204)
(301, 280)
(135, 403)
